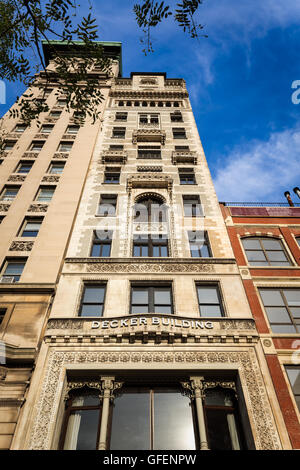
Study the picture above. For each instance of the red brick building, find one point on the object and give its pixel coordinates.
(266, 244)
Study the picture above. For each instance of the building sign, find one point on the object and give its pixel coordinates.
(154, 321)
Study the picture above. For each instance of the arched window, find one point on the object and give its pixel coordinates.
(150, 208)
(265, 252)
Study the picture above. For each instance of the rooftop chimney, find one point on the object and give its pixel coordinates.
(297, 191)
(288, 196)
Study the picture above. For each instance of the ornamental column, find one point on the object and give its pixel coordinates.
(108, 389)
(194, 389)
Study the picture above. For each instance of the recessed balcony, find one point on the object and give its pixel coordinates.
(148, 135)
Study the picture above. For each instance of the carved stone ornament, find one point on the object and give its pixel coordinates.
(258, 406)
(38, 208)
(21, 246)
(114, 156)
(149, 268)
(30, 154)
(4, 207)
(50, 179)
(17, 178)
(148, 135)
(148, 81)
(75, 385)
(184, 157)
(149, 168)
(150, 180)
(61, 155)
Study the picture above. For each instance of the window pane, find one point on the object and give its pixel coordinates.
(106, 250)
(90, 310)
(278, 315)
(173, 422)
(271, 297)
(277, 256)
(14, 268)
(163, 309)
(251, 244)
(94, 294)
(208, 295)
(210, 311)
(162, 296)
(294, 378)
(292, 297)
(255, 256)
(272, 244)
(289, 329)
(131, 422)
(139, 295)
(140, 309)
(295, 312)
(82, 430)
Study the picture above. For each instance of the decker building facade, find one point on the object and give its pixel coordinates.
(150, 342)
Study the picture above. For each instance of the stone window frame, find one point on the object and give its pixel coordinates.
(13, 260)
(151, 284)
(207, 243)
(191, 197)
(102, 198)
(29, 219)
(150, 245)
(220, 294)
(41, 187)
(96, 241)
(7, 187)
(90, 283)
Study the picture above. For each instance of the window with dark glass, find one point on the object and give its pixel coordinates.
(282, 307)
(55, 114)
(149, 209)
(13, 268)
(121, 116)
(182, 148)
(152, 152)
(92, 303)
(2, 314)
(293, 373)
(108, 205)
(265, 252)
(47, 128)
(36, 146)
(31, 227)
(82, 420)
(159, 418)
(101, 246)
(45, 193)
(9, 193)
(20, 128)
(112, 176)
(56, 168)
(24, 167)
(116, 147)
(186, 176)
(152, 245)
(119, 132)
(65, 146)
(179, 133)
(222, 420)
(199, 244)
(298, 240)
(151, 299)
(209, 300)
(9, 145)
(176, 117)
(72, 129)
(192, 206)
(149, 119)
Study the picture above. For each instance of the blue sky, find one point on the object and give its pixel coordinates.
(239, 80)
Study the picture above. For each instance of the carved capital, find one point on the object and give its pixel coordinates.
(109, 387)
(194, 387)
(74, 385)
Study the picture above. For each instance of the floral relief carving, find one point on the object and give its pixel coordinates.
(4, 207)
(145, 268)
(38, 208)
(253, 385)
(17, 178)
(50, 179)
(21, 246)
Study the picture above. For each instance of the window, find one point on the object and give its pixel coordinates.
(92, 303)
(116, 147)
(298, 240)
(293, 373)
(182, 148)
(121, 116)
(186, 176)
(9, 193)
(24, 167)
(82, 420)
(199, 244)
(56, 168)
(209, 300)
(151, 299)
(36, 146)
(72, 129)
(47, 128)
(149, 152)
(61, 102)
(118, 132)
(222, 419)
(121, 103)
(65, 146)
(45, 194)
(20, 128)
(13, 269)
(152, 245)
(112, 176)
(55, 114)
(149, 209)
(108, 205)
(128, 103)
(31, 227)
(101, 246)
(192, 206)
(2, 314)
(265, 252)
(151, 120)
(176, 117)
(9, 145)
(179, 133)
(158, 417)
(282, 307)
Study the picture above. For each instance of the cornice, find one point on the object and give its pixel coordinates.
(164, 94)
(152, 260)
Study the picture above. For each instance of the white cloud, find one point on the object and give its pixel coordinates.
(260, 170)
